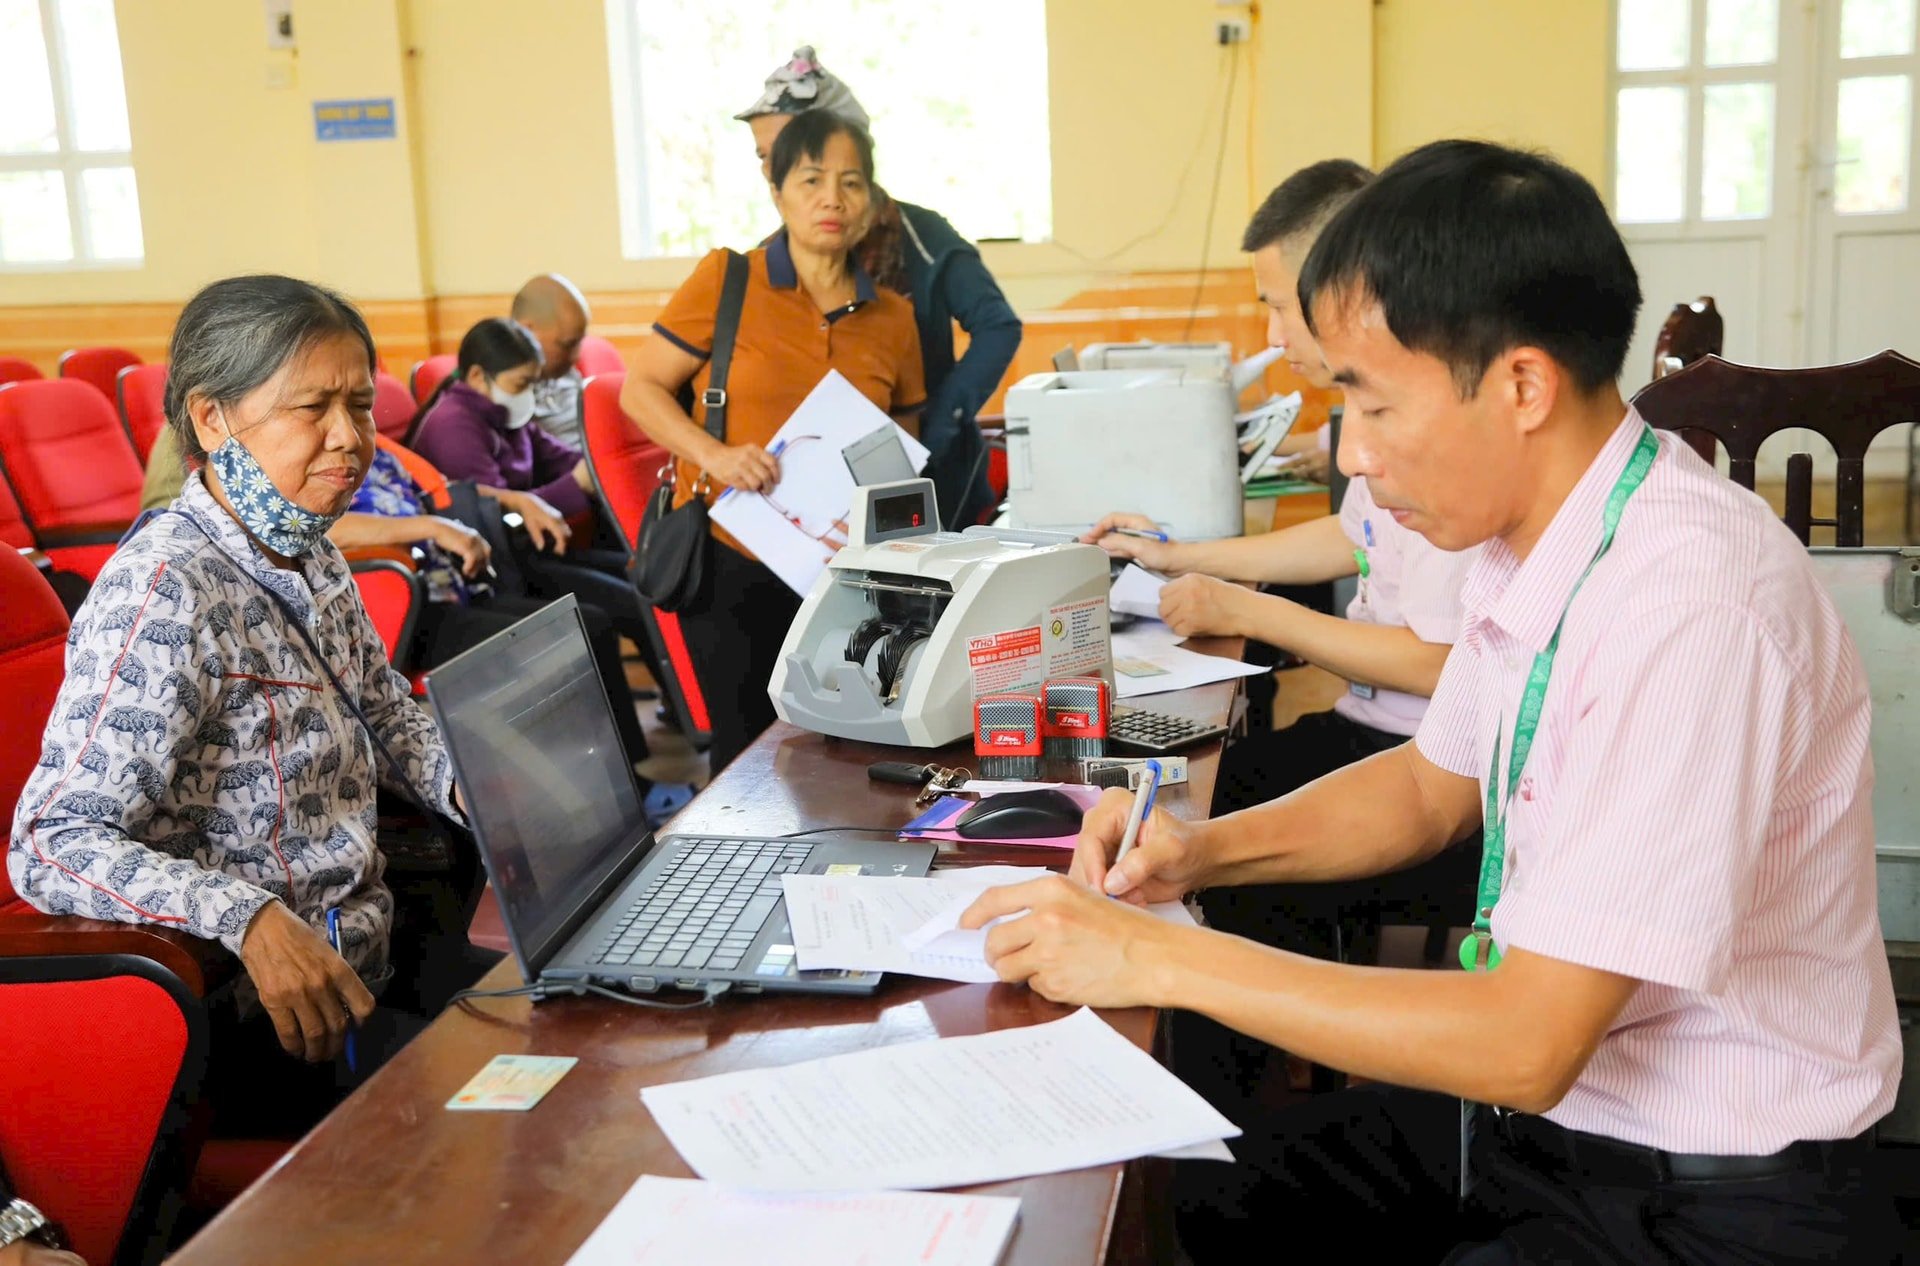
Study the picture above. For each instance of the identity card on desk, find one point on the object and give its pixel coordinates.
(675, 1221)
(944, 1113)
(1150, 661)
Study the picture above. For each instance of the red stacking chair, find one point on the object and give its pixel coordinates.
(106, 1034)
(98, 367)
(141, 391)
(14, 532)
(13, 369)
(393, 595)
(626, 468)
(428, 373)
(597, 356)
(72, 467)
(393, 406)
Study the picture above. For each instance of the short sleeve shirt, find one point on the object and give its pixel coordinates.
(1696, 812)
(786, 345)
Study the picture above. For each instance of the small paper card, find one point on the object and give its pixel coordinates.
(512, 1083)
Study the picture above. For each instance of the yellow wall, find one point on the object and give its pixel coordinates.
(1525, 72)
(504, 164)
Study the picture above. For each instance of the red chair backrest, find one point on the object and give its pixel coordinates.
(142, 394)
(428, 373)
(393, 406)
(33, 663)
(392, 595)
(598, 356)
(626, 464)
(93, 1065)
(98, 367)
(14, 532)
(14, 369)
(70, 463)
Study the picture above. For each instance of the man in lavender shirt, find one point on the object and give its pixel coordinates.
(1678, 1011)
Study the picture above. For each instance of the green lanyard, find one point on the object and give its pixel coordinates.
(1478, 952)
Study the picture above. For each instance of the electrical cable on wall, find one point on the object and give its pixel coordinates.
(1213, 198)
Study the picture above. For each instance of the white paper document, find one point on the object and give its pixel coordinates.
(880, 923)
(677, 1221)
(1150, 661)
(1136, 591)
(944, 1113)
(802, 523)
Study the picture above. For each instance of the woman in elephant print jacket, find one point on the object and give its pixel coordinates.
(198, 769)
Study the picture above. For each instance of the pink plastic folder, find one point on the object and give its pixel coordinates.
(937, 823)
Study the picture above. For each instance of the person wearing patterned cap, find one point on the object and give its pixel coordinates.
(916, 252)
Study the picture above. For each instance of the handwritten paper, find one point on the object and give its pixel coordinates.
(943, 1113)
(674, 1221)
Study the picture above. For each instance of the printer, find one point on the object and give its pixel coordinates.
(909, 623)
(1147, 427)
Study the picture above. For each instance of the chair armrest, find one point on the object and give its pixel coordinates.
(75, 534)
(380, 553)
(201, 965)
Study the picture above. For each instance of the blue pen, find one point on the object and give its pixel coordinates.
(1142, 533)
(1143, 798)
(772, 452)
(1366, 528)
(333, 939)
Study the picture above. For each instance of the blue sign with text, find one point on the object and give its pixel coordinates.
(369, 120)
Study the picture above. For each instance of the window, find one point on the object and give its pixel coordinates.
(1694, 109)
(972, 147)
(1872, 141)
(67, 191)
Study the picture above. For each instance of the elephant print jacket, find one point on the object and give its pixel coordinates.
(198, 764)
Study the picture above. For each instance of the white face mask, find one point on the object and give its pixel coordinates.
(519, 405)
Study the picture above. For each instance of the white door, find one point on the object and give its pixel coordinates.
(1863, 259)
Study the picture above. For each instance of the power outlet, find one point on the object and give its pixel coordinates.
(1232, 30)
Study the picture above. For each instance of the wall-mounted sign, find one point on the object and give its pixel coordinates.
(369, 120)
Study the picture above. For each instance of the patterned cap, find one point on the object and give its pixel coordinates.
(804, 84)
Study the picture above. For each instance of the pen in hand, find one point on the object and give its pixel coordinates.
(1143, 798)
(333, 939)
(772, 452)
(1143, 533)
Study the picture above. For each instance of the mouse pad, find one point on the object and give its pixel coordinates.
(937, 823)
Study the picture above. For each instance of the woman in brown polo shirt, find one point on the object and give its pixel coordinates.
(809, 308)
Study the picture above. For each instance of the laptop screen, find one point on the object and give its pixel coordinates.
(548, 786)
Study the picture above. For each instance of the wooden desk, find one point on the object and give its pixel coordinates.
(393, 1177)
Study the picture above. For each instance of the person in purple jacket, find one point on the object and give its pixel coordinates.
(476, 426)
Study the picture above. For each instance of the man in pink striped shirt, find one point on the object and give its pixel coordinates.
(1680, 1002)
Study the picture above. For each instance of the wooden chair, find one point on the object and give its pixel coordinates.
(1741, 405)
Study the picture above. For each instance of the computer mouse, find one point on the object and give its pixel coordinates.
(1020, 815)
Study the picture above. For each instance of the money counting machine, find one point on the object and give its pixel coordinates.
(908, 623)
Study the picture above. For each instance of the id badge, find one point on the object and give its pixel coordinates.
(1360, 690)
(1469, 1120)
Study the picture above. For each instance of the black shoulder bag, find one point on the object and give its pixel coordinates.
(669, 569)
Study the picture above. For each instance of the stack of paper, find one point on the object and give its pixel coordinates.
(1149, 660)
(675, 1221)
(882, 923)
(944, 1113)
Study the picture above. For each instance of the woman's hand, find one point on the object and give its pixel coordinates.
(544, 524)
(463, 543)
(308, 990)
(1165, 863)
(745, 466)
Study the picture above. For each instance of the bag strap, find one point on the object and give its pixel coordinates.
(726, 325)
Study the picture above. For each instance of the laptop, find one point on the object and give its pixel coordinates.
(588, 893)
(878, 458)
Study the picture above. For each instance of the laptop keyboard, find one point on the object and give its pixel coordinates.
(704, 910)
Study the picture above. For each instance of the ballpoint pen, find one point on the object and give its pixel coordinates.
(1143, 533)
(1143, 797)
(772, 452)
(333, 939)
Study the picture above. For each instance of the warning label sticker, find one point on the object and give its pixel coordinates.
(1071, 640)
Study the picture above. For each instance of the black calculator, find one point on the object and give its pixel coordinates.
(1139, 730)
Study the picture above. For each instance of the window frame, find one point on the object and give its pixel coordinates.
(71, 161)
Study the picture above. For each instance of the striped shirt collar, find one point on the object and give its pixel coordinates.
(782, 276)
(1527, 597)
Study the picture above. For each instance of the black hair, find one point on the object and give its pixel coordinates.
(1304, 201)
(495, 344)
(807, 134)
(237, 333)
(1472, 249)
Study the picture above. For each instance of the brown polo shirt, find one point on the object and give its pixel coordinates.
(786, 345)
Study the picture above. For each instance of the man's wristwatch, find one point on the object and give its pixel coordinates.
(21, 1221)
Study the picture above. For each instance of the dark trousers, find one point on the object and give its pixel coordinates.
(1375, 1172)
(734, 633)
(593, 576)
(1327, 921)
(446, 629)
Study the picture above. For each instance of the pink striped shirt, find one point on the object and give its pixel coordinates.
(1696, 812)
(1411, 583)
